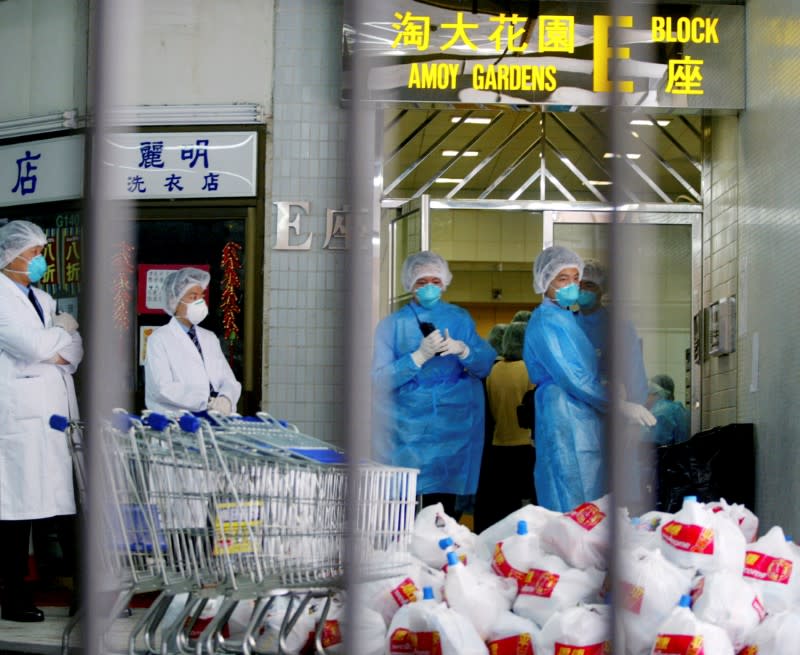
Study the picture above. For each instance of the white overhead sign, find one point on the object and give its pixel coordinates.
(147, 165)
(41, 171)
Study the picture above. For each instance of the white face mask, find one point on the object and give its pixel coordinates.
(196, 311)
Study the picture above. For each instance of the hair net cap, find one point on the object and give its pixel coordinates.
(663, 385)
(513, 340)
(550, 262)
(594, 271)
(495, 337)
(177, 283)
(16, 237)
(425, 264)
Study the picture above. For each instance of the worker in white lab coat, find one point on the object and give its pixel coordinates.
(184, 367)
(39, 352)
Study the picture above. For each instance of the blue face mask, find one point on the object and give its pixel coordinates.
(587, 299)
(568, 295)
(37, 267)
(428, 295)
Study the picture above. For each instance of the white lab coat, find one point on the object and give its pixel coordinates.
(176, 377)
(35, 464)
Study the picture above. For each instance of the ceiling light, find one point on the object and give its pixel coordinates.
(471, 119)
(600, 182)
(628, 155)
(647, 121)
(448, 180)
(454, 153)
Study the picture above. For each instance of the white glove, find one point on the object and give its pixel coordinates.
(428, 347)
(638, 414)
(453, 346)
(65, 321)
(220, 404)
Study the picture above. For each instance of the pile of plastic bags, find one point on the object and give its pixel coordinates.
(697, 582)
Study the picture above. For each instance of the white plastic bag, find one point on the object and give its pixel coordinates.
(582, 536)
(698, 538)
(512, 635)
(771, 565)
(730, 602)
(467, 595)
(514, 555)
(649, 588)
(585, 629)
(388, 595)
(534, 515)
(369, 632)
(635, 532)
(551, 585)
(414, 629)
(267, 637)
(683, 632)
(431, 525)
(457, 633)
(775, 635)
(740, 515)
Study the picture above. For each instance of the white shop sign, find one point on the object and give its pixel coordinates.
(41, 171)
(148, 165)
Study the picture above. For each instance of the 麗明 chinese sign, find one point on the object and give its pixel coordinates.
(41, 171)
(685, 56)
(148, 165)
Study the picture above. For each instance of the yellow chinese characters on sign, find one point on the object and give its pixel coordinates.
(512, 35)
(685, 76)
(459, 32)
(556, 34)
(413, 31)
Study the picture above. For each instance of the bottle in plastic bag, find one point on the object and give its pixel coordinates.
(682, 633)
(412, 630)
(515, 555)
(480, 603)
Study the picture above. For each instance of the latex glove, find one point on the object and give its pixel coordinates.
(453, 346)
(638, 414)
(65, 321)
(220, 404)
(428, 348)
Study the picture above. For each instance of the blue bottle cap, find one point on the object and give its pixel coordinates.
(452, 559)
(686, 601)
(690, 499)
(427, 593)
(522, 527)
(445, 542)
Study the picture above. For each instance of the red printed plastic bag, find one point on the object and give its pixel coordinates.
(582, 536)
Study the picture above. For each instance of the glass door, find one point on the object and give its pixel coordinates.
(659, 283)
(404, 231)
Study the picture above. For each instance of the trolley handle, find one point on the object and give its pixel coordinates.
(58, 422)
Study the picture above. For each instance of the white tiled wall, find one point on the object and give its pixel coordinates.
(720, 255)
(304, 317)
(751, 240)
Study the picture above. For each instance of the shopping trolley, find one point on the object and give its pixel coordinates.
(240, 509)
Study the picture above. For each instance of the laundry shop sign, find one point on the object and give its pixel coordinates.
(688, 56)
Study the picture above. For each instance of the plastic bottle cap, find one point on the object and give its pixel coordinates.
(686, 601)
(788, 538)
(427, 593)
(690, 499)
(522, 527)
(635, 520)
(445, 542)
(452, 559)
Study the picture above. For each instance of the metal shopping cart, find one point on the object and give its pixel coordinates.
(248, 510)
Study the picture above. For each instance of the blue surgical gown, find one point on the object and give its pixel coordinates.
(430, 417)
(570, 403)
(596, 326)
(672, 422)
